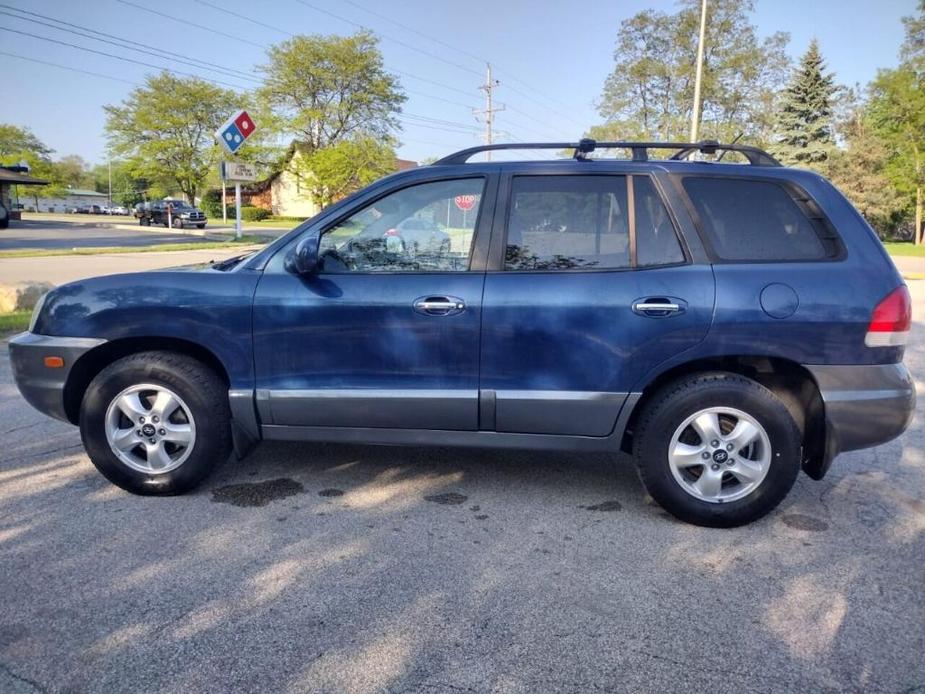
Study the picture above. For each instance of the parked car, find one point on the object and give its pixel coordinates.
(170, 213)
(118, 210)
(692, 313)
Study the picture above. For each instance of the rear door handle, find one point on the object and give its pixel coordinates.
(659, 307)
(439, 305)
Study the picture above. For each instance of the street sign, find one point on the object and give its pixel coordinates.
(235, 131)
(238, 171)
(464, 202)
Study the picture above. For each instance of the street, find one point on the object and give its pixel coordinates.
(347, 568)
(76, 231)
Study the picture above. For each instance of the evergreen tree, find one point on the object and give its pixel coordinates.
(804, 128)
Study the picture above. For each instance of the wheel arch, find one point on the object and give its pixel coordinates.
(90, 364)
(788, 380)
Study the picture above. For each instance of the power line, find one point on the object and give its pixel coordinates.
(245, 18)
(118, 57)
(414, 31)
(67, 67)
(458, 50)
(386, 36)
(266, 46)
(192, 24)
(121, 43)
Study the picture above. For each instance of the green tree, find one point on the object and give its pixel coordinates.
(897, 115)
(343, 167)
(127, 188)
(165, 130)
(913, 48)
(804, 129)
(73, 171)
(860, 171)
(650, 92)
(16, 141)
(324, 89)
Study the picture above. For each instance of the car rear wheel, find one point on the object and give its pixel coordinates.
(156, 422)
(717, 449)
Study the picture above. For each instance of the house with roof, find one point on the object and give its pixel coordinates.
(285, 194)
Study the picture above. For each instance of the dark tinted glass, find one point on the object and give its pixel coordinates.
(753, 220)
(656, 240)
(567, 222)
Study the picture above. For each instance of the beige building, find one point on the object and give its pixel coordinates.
(284, 193)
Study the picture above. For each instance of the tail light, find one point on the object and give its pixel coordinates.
(891, 320)
(391, 232)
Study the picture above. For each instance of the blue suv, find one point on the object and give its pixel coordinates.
(726, 323)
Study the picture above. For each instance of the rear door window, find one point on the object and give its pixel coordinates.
(588, 223)
(567, 223)
(656, 239)
(759, 221)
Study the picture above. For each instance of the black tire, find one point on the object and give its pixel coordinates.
(206, 396)
(200, 226)
(177, 223)
(668, 409)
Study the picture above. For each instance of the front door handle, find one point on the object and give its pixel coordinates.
(659, 307)
(439, 305)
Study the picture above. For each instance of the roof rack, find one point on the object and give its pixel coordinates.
(640, 150)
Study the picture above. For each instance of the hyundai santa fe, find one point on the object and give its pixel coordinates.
(728, 324)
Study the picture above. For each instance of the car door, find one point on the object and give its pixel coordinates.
(383, 334)
(589, 287)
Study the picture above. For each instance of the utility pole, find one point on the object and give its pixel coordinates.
(110, 182)
(489, 112)
(695, 115)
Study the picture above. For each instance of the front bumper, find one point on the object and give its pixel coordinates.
(41, 386)
(865, 405)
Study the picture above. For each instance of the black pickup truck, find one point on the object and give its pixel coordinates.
(180, 215)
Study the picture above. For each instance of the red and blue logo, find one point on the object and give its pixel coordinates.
(235, 131)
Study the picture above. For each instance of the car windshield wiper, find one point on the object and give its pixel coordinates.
(229, 263)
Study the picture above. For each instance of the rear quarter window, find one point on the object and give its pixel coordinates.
(758, 221)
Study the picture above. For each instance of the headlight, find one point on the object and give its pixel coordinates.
(36, 311)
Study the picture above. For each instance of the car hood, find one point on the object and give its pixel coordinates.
(149, 302)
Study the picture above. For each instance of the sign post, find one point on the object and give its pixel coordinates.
(232, 135)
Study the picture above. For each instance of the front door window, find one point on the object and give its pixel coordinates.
(422, 228)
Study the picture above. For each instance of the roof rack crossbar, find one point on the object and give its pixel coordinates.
(639, 150)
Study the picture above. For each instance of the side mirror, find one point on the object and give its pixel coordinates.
(304, 259)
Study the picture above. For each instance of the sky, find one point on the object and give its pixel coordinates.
(550, 57)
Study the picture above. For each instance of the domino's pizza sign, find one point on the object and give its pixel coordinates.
(235, 131)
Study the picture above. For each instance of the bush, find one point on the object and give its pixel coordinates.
(249, 213)
(212, 203)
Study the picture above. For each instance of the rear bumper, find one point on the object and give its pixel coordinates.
(41, 386)
(864, 405)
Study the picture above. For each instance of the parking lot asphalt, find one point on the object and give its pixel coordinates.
(343, 568)
(80, 233)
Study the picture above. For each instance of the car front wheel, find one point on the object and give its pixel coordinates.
(717, 449)
(156, 422)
